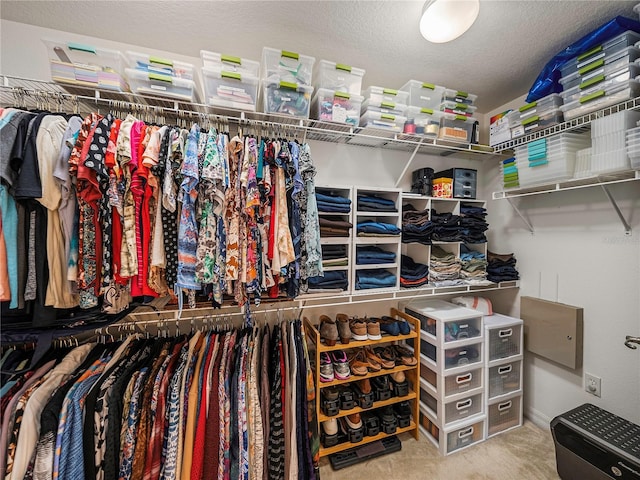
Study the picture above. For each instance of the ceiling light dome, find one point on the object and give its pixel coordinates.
(445, 20)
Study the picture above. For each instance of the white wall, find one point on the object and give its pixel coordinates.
(577, 255)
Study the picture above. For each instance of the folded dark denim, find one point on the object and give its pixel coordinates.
(333, 207)
(377, 278)
(321, 197)
(378, 227)
(413, 228)
(368, 207)
(334, 232)
(370, 255)
(502, 278)
(416, 238)
(330, 252)
(411, 270)
(376, 200)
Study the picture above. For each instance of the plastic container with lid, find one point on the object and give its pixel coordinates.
(601, 82)
(340, 107)
(229, 63)
(544, 106)
(339, 77)
(426, 118)
(384, 107)
(284, 98)
(381, 94)
(459, 97)
(458, 108)
(87, 65)
(456, 127)
(535, 123)
(600, 52)
(383, 121)
(163, 66)
(423, 95)
(286, 66)
(158, 85)
(230, 89)
(601, 97)
(604, 66)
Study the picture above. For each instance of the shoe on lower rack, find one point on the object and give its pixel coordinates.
(328, 330)
(354, 421)
(326, 368)
(358, 363)
(340, 365)
(375, 362)
(330, 394)
(330, 427)
(405, 356)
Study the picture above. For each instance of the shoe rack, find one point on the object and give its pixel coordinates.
(345, 192)
(422, 253)
(412, 374)
(390, 243)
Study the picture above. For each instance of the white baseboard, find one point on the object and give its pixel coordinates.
(538, 418)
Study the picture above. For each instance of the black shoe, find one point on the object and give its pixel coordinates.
(403, 409)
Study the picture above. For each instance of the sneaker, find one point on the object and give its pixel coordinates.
(344, 331)
(326, 368)
(389, 325)
(373, 329)
(354, 421)
(358, 363)
(328, 330)
(358, 329)
(330, 427)
(386, 359)
(340, 365)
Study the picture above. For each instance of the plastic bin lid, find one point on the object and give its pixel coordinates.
(344, 67)
(326, 92)
(461, 118)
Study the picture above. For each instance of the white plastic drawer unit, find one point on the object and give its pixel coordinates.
(504, 342)
(504, 415)
(504, 379)
(465, 436)
(451, 411)
(450, 359)
(444, 322)
(453, 438)
(447, 386)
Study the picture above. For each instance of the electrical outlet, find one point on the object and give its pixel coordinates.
(592, 384)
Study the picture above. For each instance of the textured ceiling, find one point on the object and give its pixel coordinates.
(498, 58)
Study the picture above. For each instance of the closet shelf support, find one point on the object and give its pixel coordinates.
(522, 217)
(409, 162)
(614, 204)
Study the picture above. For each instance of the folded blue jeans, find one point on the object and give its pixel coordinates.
(332, 199)
(378, 227)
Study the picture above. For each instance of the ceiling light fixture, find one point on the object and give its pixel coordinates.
(445, 20)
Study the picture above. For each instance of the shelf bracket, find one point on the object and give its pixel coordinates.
(522, 217)
(625, 224)
(409, 162)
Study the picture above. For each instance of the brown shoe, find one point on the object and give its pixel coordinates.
(364, 386)
(358, 363)
(358, 329)
(387, 357)
(398, 377)
(373, 329)
(328, 330)
(354, 421)
(405, 356)
(374, 360)
(344, 331)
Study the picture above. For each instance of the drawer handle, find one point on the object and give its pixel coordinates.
(505, 333)
(462, 404)
(505, 369)
(504, 406)
(464, 378)
(465, 433)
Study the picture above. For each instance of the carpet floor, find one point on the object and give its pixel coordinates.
(525, 453)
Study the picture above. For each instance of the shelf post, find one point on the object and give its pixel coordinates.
(526, 222)
(625, 224)
(406, 167)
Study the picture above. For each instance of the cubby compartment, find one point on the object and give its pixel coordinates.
(504, 415)
(504, 379)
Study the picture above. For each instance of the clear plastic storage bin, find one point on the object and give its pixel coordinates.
(457, 127)
(230, 89)
(601, 97)
(285, 98)
(87, 65)
(601, 52)
(229, 63)
(447, 386)
(423, 95)
(605, 67)
(427, 119)
(384, 107)
(286, 66)
(381, 94)
(458, 108)
(601, 82)
(459, 97)
(504, 379)
(535, 123)
(164, 66)
(158, 85)
(340, 107)
(633, 147)
(504, 415)
(339, 77)
(549, 104)
(383, 121)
